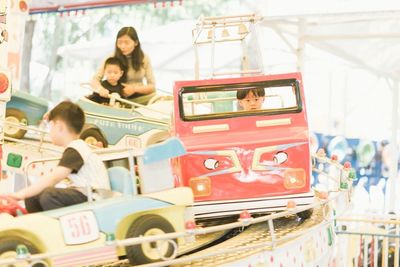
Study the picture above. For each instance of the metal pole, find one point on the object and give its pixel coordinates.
(212, 50)
(3, 66)
(196, 63)
(393, 168)
(245, 58)
(196, 54)
(301, 45)
(344, 114)
(330, 124)
(259, 58)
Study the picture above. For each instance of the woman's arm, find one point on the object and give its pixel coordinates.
(130, 89)
(96, 81)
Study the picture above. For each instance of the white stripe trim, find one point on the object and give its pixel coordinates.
(211, 128)
(235, 201)
(204, 209)
(85, 258)
(277, 122)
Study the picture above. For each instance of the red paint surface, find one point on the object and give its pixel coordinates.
(243, 138)
(4, 83)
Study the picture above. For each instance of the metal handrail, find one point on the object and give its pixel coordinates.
(24, 126)
(211, 24)
(114, 97)
(199, 231)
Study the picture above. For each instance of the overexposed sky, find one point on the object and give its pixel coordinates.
(340, 94)
(295, 7)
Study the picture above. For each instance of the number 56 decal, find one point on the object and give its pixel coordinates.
(79, 227)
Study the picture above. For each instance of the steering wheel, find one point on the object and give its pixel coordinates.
(114, 98)
(10, 206)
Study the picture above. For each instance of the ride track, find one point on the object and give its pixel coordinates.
(277, 239)
(244, 244)
(301, 243)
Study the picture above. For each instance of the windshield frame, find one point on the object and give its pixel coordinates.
(230, 87)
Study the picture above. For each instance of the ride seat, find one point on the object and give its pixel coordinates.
(121, 180)
(154, 166)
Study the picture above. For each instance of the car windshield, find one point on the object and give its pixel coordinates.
(199, 103)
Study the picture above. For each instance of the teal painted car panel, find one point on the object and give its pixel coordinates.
(116, 123)
(33, 107)
(109, 212)
(171, 148)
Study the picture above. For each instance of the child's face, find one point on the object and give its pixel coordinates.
(251, 102)
(113, 73)
(59, 132)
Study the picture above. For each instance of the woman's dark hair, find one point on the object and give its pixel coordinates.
(257, 92)
(115, 61)
(137, 54)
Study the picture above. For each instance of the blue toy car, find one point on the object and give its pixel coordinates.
(105, 125)
(134, 127)
(78, 235)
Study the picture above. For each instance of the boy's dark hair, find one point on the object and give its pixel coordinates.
(70, 113)
(257, 92)
(119, 63)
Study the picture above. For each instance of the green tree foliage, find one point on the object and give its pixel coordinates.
(53, 30)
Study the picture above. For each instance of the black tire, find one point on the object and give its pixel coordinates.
(148, 225)
(306, 214)
(9, 245)
(15, 116)
(92, 136)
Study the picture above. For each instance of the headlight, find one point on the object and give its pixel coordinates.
(294, 178)
(201, 186)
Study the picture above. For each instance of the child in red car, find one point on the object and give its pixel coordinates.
(251, 99)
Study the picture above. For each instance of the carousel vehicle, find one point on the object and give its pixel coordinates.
(243, 159)
(82, 231)
(25, 109)
(126, 124)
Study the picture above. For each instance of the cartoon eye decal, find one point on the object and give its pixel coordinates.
(211, 164)
(280, 157)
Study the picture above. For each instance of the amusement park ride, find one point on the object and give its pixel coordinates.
(230, 187)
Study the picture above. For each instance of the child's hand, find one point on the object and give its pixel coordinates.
(16, 196)
(103, 92)
(128, 90)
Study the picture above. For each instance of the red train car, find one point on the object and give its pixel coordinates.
(238, 157)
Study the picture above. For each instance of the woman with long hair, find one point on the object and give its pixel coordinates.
(139, 86)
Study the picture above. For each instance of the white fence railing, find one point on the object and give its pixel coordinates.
(368, 240)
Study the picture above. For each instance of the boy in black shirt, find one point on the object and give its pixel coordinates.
(114, 71)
